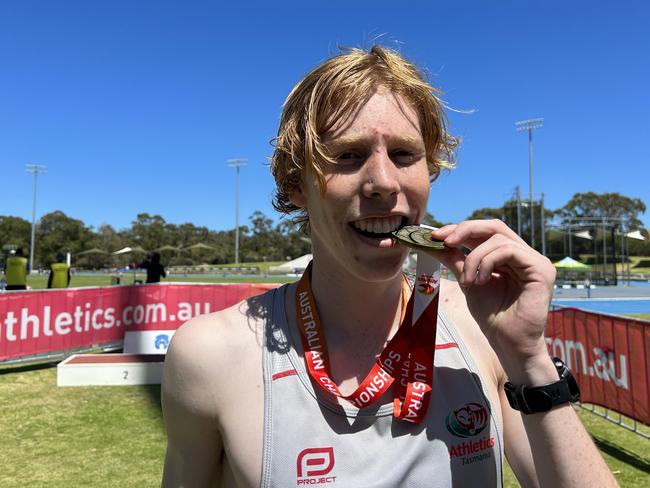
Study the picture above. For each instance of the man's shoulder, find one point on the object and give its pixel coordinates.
(221, 333)
(213, 354)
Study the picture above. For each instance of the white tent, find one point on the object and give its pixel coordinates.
(134, 249)
(297, 265)
(584, 235)
(636, 234)
(571, 264)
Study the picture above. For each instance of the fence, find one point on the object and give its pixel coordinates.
(608, 355)
(43, 323)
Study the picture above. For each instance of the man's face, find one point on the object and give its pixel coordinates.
(380, 183)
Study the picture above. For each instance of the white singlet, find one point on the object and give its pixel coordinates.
(311, 440)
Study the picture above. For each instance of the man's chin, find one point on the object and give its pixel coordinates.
(381, 268)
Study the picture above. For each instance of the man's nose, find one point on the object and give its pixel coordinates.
(382, 176)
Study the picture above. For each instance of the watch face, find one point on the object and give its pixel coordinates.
(538, 401)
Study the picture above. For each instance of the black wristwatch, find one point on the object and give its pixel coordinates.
(533, 399)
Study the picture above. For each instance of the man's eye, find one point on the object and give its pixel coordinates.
(349, 157)
(404, 156)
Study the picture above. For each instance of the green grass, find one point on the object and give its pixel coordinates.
(643, 316)
(114, 437)
(78, 437)
(39, 282)
(262, 266)
(627, 454)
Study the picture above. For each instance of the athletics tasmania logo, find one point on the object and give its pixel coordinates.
(313, 464)
(468, 420)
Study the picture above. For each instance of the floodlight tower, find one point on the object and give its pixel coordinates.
(530, 125)
(237, 163)
(35, 169)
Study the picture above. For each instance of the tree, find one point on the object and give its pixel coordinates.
(488, 213)
(260, 243)
(14, 231)
(105, 238)
(148, 231)
(57, 233)
(292, 242)
(589, 211)
(430, 220)
(613, 205)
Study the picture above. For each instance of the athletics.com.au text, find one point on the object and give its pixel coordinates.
(28, 324)
(606, 365)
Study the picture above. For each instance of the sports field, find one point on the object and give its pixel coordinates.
(39, 282)
(114, 436)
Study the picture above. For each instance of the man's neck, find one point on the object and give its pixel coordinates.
(356, 315)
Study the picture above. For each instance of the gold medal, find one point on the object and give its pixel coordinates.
(418, 238)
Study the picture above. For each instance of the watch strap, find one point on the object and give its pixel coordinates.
(533, 399)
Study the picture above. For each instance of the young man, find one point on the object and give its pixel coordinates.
(266, 393)
(155, 270)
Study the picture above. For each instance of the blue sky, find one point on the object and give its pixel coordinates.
(135, 106)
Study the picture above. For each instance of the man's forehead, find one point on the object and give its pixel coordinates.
(344, 130)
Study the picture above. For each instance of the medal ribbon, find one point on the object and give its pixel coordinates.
(408, 356)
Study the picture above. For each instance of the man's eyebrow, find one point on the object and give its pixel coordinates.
(332, 142)
(352, 140)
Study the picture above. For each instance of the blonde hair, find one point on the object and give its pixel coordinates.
(332, 94)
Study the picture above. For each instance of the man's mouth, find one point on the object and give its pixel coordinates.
(379, 227)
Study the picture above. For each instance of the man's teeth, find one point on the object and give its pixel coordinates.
(379, 225)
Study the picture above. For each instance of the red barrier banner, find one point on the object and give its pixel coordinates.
(608, 355)
(46, 321)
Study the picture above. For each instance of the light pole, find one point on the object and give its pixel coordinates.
(237, 163)
(529, 125)
(543, 226)
(518, 212)
(35, 169)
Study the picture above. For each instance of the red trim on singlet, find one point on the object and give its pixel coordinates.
(447, 345)
(282, 374)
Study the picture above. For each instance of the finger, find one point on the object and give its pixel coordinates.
(478, 269)
(472, 233)
(497, 259)
(442, 233)
(453, 259)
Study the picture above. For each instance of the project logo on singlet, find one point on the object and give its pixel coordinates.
(468, 420)
(313, 464)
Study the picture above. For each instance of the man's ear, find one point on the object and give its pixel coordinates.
(298, 198)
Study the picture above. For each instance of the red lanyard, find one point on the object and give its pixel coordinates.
(408, 356)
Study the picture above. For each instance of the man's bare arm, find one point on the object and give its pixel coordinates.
(194, 446)
(557, 443)
(508, 287)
